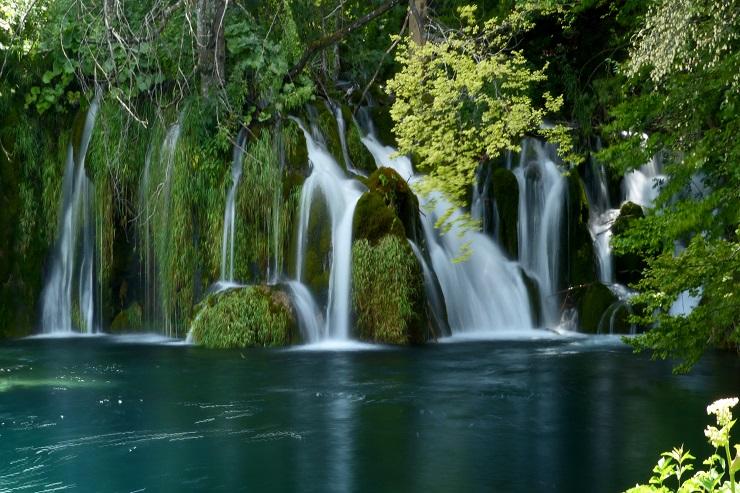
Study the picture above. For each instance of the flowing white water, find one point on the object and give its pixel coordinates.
(154, 207)
(542, 196)
(483, 293)
(642, 186)
(340, 194)
(308, 312)
(342, 128)
(601, 219)
(227, 244)
(76, 227)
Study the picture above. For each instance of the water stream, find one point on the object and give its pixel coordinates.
(483, 293)
(73, 257)
(340, 194)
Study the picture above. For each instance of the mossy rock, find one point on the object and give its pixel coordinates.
(358, 153)
(128, 320)
(505, 194)
(317, 260)
(383, 124)
(580, 268)
(592, 303)
(389, 199)
(374, 219)
(388, 292)
(628, 213)
(254, 316)
(628, 267)
(533, 293)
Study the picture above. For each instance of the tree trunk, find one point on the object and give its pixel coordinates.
(418, 20)
(211, 44)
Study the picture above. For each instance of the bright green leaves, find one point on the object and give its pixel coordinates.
(719, 477)
(464, 99)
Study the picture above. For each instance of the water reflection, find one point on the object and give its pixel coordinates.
(550, 415)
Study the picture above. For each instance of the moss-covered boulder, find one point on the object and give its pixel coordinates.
(388, 292)
(628, 267)
(505, 194)
(581, 261)
(254, 316)
(533, 293)
(389, 207)
(592, 303)
(128, 320)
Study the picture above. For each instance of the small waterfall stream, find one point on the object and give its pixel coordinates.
(542, 196)
(155, 192)
(485, 292)
(227, 245)
(73, 257)
(328, 181)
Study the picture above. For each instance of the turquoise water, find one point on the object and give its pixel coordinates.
(102, 415)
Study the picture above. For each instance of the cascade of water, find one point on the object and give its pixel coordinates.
(642, 185)
(342, 128)
(309, 315)
(483, 293)
(155, 191)
(542, 195)
(227, 244)
(76, 222)
(601, 218)
(432, 290)
(341, 194)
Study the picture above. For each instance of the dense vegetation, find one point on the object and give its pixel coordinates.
(463, 82)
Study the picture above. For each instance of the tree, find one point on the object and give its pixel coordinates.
(465, 96)
(684, 94)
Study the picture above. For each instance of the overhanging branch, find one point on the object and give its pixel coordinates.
(323, 43)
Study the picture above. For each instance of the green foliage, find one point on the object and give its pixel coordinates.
(466, 97)
(686, 104)
(388, 292)
(721, 468)
(244, 317)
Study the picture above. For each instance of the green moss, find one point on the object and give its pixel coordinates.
(628, 267)
(129, 320)
(389, 200)
(255, 316)
(593, 302)
(374, 219)
(533, 293)
(388, 292)
(580, 258)
(358, 153)
(383, 124)
(505, 193)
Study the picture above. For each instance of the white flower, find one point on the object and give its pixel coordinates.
(718, 438)
(721, 408)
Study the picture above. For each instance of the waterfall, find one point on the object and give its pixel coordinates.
(642, 185)
(328, 180)
(601, 219)
(75, 231)
(542, 196)
(307, 311)
(485, 292)
(342, 129)
(227, 245)
(155, 191)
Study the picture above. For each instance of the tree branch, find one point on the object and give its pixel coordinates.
(322, 43)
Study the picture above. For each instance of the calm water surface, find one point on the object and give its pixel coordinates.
(571, 415)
